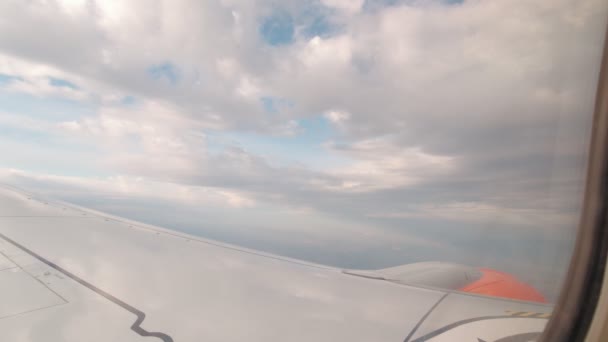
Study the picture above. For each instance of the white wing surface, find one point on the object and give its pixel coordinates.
(71, 274)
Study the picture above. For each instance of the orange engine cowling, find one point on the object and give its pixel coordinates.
(499, 284)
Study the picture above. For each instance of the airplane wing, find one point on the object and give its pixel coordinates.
(73, 274)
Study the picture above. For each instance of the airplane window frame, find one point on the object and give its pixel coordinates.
(580, 293)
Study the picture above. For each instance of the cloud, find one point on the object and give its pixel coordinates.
(380, 164)
(430, 115)
(447, 82)
(345, 5)
(484, 213)
(337, 116)
(128, 186)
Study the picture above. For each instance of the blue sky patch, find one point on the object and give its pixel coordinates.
(6, 79)
(319, 26)
(315, 22)
(166, 71)
(49, 109)
(128, 100)
(316, 129)
(58, 82)
(273, 105)
(282, 28)
(269, 104)
(278, 28)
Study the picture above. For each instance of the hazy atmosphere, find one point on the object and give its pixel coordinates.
(352, 133)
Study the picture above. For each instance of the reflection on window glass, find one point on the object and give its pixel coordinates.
(440, 144)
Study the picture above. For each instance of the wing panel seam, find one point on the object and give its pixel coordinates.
(426, 315)
(141, 316)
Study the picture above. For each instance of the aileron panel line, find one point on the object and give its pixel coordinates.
(141, 316)
(477, 319)
(409, 336)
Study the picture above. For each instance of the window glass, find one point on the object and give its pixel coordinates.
(440, 143)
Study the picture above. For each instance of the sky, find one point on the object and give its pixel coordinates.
(353, 133)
